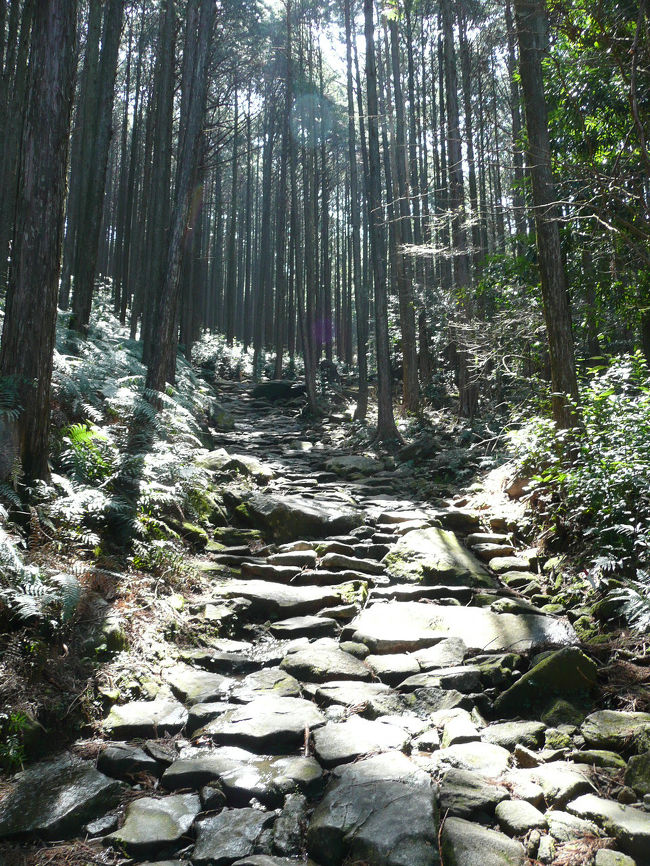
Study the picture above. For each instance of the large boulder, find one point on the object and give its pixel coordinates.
(55, 798)
(434, 555)
(567, 671)
(288, 518)
(380, 810)
(617, 730)
(407, 626)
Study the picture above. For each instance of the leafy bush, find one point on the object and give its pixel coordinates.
(597, 477)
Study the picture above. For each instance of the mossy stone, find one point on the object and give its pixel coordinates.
(561, 712)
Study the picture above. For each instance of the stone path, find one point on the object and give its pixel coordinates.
(388, 697)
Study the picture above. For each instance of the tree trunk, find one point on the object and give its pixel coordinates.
(29, 331)
(386, 427)
(162, 361)
(531, 31)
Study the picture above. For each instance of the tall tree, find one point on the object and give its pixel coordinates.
(162, 365)
(386, 427)
(531, 20)
(27, 349)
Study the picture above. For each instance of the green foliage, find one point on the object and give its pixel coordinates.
(12, 748)
(87, 453)
(595, 478)
(9, 399)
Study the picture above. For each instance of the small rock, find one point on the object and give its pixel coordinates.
(607, 857)
(290, 825)
(318, 665)
(460, 729)
(546, 850)
(566, 828)
(510, 734)
(467, 844)
(517, 817)
(123, 761)
(466, 794)
(151, 824)
(229, 836)
(637, 775)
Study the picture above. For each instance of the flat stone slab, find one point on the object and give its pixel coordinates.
(509, 734)
(145, 719)
(380, 810)
(265, 724)
(341, 742)
(565, 827)
(151, 824)
(229, 836)
(194, 686)
(267, 681)
(288, 518)
(352, 563)
(614, 729)
(244, 775)
(403, 626)
(467, 844)
(629, 826)
(354, 464)
(483, 758)
(277, 600)
(124, 761)
(376, 699)
(304, 626)
(467, 794)
(560, 782)
(54, 799)
(394, 667)
(431, 555)
(320, 664)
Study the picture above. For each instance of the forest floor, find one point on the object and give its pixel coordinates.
(369, 662)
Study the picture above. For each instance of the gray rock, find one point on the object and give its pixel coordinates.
(291, 517)
(559, 781)
(567, 671)
(459, 729)
(615, 729)
(509, 734)
(304, 626)
(467, 844)
(394, 667)
(546, 850)
(339, 560)
(278, 573)
(483, 758)
(269, 860)
(244, 776)
(465, 678)
(290, 825)
(629, 826)
(194, 686)
(467, 794)
(218, 662)
(267, 723)
(229, 836)
(598, 758)
(446, 653)
(607, 857)
(301, 558)
(145, 719)
(517, 817)
(267, 681)
(123, 761)
(403, 626)
(320, 664)
(433, 555)
(354, 465)
(637, 775)
(380, 810)
(341, 742)
(566, 828)
(201, 714)
(273, 600)
(151, 825)
(54, 799)
(377, 698)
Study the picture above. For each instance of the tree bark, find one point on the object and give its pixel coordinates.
(386, 428)
(530, 16)
(162, 360)
(29, 331)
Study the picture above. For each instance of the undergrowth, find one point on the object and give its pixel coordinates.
(592, 483)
